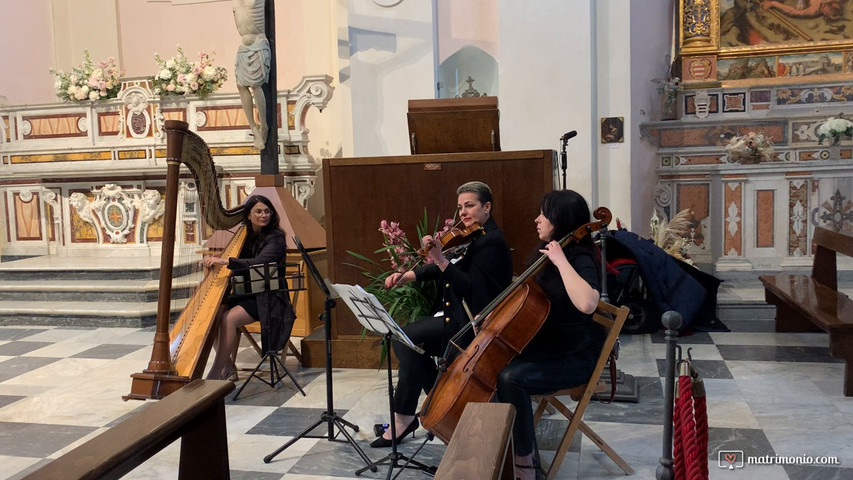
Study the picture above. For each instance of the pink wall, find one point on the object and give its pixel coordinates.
(26, 52)
(145, 28)
(467, 23)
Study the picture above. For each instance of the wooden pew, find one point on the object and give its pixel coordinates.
(194, 413)
(807, 303)
(481, 445)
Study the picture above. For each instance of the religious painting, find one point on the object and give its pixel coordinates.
(765, 42)
(612, 130)
(784, 23)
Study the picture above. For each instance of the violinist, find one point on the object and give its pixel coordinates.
(476, 278)
(564, 351)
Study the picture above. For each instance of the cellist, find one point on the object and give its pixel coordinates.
(476, 277)
(564, 351)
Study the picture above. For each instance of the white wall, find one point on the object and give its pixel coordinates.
(613, 97)
(391, 61)
(650, 44)
(544, 58)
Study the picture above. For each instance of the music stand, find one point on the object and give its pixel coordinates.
(329, 417)
(264, 280)
(373, 316)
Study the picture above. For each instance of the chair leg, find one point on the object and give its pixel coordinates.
(590, 434)
(293, 351)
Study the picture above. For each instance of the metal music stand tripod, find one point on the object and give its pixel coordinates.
(372, 316)
(329, 417)
(264, 280)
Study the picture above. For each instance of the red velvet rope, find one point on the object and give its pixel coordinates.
(678, 465)
(701, 416)
(688, 424)
(690, 430)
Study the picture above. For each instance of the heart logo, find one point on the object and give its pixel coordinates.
(731, 457)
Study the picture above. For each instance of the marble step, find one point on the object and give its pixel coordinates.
(80, 314)
(119, 291)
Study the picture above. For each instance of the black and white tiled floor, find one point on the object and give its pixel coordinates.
(768, 394)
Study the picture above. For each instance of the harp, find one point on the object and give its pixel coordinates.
(179, 355)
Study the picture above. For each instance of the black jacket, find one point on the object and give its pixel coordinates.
(478, 277)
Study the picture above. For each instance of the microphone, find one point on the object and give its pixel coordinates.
(568, 135)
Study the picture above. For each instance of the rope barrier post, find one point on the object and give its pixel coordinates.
(672, 321)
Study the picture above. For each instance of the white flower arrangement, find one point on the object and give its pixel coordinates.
(88, 81)
(833, 129)
(177, 76)
(752, 147)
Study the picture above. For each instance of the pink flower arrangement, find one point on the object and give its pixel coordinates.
(88, 81)
(401, 252)
(179, 76)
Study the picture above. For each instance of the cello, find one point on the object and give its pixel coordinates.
(504, 327)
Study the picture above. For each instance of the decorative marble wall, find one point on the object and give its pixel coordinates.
(755, 216)
(88, 178)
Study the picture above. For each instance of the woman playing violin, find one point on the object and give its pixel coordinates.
(564, 351)
(476, 278)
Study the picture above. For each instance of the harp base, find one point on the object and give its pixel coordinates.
(154, 386)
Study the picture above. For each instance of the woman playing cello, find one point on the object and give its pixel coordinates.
(564, 351)
(477, 277)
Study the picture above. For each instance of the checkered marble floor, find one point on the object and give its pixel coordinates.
(768, 394)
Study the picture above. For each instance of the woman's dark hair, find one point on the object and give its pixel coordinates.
(275, 220)
(566, 210)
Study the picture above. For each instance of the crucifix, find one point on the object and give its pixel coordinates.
(255, 71)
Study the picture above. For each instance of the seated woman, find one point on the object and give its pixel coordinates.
(564, 351)
(265, 243)
(476, 278)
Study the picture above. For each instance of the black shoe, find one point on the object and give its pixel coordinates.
(384, 442)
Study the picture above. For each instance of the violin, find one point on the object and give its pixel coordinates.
(456, 237)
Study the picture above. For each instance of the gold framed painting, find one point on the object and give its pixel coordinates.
(760, 42)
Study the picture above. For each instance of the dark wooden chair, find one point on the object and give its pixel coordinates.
(612, 318)
(812, 302)
(194, 413)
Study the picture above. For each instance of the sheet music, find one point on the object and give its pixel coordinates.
(370, 313)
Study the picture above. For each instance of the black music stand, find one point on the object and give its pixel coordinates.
(264, 280)
(329, 417)
(373, 316)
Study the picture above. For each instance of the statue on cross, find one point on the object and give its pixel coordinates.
(252, 66)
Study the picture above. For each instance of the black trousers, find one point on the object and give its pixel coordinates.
(417, 372)
(525, 376)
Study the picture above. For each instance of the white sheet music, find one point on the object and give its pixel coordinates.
(370, 313)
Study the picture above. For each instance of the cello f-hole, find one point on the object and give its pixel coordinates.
(472, 358)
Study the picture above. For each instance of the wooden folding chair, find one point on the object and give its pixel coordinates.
(612, 319)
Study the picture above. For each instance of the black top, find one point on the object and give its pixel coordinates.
(566, 329)
(478, 277)
(256, 250)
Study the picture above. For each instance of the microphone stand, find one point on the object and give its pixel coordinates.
(563, 163)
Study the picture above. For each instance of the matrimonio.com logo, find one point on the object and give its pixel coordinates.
(732, 459)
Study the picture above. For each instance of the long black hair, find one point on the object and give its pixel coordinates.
(275, 219)
(567, 211)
